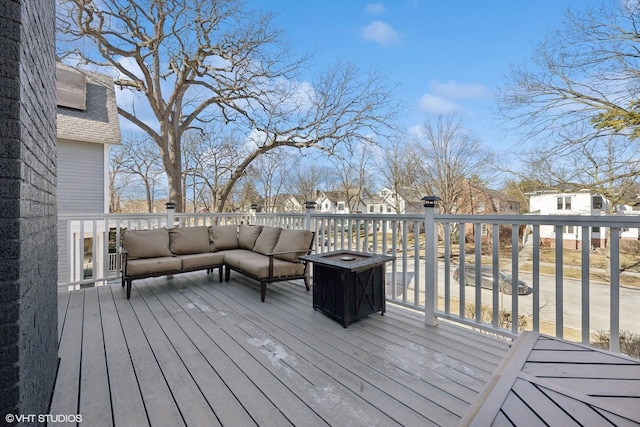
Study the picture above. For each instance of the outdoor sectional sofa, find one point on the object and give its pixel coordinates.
(263, 253)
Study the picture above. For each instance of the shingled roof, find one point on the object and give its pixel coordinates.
(95, 119)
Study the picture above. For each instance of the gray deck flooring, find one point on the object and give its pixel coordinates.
(550, 382)
(197, 352)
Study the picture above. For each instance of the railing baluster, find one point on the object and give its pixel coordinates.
(515, 267)
(559, 282)
(461, 271)
(614, 278)
(495, 267)
(586, 246)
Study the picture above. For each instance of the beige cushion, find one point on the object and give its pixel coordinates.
(267, 240)
(147, 243)
(234, 257)
(223, 237)
(138, 267)
(247, 236)
(189, 240)
(293, 240)
(258, 266)
(207, 259)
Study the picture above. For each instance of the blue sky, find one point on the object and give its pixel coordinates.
(444, 55)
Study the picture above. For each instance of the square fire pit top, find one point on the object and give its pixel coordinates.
(349, 260)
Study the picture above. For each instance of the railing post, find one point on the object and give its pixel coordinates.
(253, 210)
(170, 206)
(430, 260)
(308, 206)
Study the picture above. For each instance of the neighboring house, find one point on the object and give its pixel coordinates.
(476, 200)
(386, 200)
(294, 204)
(580, 202)
(284, 203)
(87, 124)
(337, 202)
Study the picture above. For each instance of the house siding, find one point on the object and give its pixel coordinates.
(81, 186)
(81, 178)
(28, 248)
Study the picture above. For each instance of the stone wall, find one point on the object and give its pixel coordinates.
(28, 248)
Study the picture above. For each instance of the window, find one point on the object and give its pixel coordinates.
(388, 209)
(595, 229)
(381, 208)
(483, 229)
(371, 209)
(596, 202)
(340, 206)
(568, 229)
(564, 203)
(480, 207)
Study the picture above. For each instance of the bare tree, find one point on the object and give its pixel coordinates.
(211, 157)
(139, 158)
(188, 63)
(449, 154)
(397, 167)
(578, 96)
(306, 180)
(352, 168)
(272, 172)
(118, 179)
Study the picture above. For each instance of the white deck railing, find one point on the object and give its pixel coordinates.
(422, 275)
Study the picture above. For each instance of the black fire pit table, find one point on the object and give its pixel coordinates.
(348, 285)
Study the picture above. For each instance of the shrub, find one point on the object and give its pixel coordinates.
(504, 316)
(631, 247)
(629, 342)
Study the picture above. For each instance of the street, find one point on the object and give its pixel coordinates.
(599, 297)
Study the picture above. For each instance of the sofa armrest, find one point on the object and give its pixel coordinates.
(272, 254)
(124, 256)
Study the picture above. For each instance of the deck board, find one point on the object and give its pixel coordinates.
(128, 406)
(548, 381)
(194, 351)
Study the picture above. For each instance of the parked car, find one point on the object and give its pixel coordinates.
(486, 279)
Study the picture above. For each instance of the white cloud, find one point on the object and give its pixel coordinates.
(375, 8)
(446, 97)
(380, 32)
(455, 90)
(436, 104)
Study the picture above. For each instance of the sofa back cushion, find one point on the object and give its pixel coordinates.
(189, 240)
(293, 240)
(223, 237)
(247, 236)
(267, 240)
(147, 243)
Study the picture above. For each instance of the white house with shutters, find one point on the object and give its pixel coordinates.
(87, 125)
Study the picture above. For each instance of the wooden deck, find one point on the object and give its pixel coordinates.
(545, 381)
(194, 351)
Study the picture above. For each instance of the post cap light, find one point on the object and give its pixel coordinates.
(170, 205)
(310, 205)
(430, 201)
